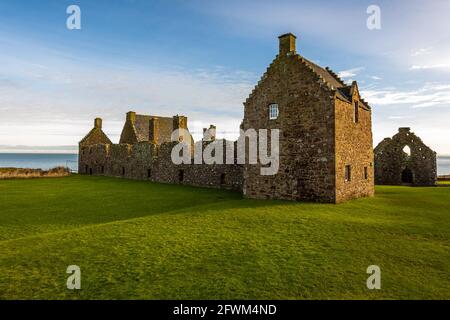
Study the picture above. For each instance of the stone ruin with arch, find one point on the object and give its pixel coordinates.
(405, 160)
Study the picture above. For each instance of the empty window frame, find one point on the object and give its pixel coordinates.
(348, 173)
(273, 111)
(356, 112)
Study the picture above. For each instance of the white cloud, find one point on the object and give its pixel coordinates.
(429, 95)
(425, 109)
(400, 117)
(350, 73)
(56, 105)
(421, 52)
(430, 66)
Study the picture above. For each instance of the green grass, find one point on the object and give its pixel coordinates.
(141, 240)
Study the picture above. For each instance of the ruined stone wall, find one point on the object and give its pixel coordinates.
(147, 161)
(225, 176)
(393, 166)
(306, 124)
(92, 158)
(354, 148)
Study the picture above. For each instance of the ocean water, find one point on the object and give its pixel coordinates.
(443, 164)
(49, 160)
(38, 160)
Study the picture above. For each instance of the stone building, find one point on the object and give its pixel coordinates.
(405, 160)
(325, 137)
(144, 153)
(326, 151)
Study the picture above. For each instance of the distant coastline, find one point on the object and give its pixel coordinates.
(48, 160)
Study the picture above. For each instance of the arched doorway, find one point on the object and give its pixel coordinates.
(407, 176)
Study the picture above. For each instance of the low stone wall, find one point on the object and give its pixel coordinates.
(22, 173)
(147, 161)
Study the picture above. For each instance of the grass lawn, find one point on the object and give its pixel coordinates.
(141, 240)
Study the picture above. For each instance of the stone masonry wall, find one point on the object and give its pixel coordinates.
(393, 165)
(354, 148)
(147, 161)
(306, 124)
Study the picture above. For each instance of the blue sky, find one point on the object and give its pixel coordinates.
(202, 58)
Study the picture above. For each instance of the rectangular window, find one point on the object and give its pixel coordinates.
(149, 173)
(273, 111)
(123, 171)
(366, 173)
(356, 112)
(222, 178)
(348, 173)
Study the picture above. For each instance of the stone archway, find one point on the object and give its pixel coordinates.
(407, 176)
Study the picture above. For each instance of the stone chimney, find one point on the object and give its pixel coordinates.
(287, 44)
(405, 129)
(131, 116)
(98, 123)
(209, 134)
(154, 130)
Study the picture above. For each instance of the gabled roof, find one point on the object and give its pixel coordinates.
(343, 91)
(95, 136)
(328, 76)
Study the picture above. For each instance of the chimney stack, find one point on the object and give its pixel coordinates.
(98, 123)
(209, 134)
(287, 44)
(405, 129)
(131, 116)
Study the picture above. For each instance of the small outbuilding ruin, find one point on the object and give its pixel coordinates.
(405, 160)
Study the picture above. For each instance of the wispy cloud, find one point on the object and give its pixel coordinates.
(56, 104)
(400, 117)
(430, 66)
(421, 52)
(350, 73)
(429, 95)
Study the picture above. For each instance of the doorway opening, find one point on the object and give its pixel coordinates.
(407, 176)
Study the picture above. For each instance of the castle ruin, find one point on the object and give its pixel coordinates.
(325, 139)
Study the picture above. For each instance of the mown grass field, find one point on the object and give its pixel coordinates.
(140, 240)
